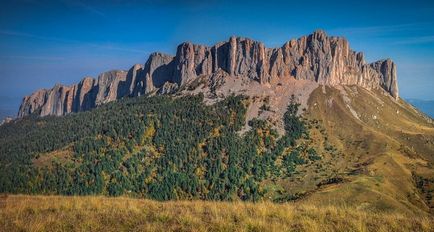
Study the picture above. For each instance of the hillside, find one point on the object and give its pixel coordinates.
(158, 147)
(388, 145)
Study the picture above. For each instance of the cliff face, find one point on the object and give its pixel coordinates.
(316, 57)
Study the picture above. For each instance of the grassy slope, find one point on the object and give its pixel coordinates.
(384, 147)
(56, 213)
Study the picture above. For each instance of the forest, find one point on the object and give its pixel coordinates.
(157, 147)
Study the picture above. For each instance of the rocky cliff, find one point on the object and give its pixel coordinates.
(316, 57)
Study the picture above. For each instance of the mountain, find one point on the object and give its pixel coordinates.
(425, 106)
(307, 122)
(316, 57)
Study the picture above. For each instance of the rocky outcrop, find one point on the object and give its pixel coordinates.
(111, 86)
(386, 71)
(168, 88)
(317, 57)
(85, 95)
(6, 120)
(158, 70)
(32, 103)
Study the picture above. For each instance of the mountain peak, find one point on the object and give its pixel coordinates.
(317, 58)
(318, 33)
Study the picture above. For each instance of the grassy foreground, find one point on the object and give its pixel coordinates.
(58, 213)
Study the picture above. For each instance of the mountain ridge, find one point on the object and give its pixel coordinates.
(318, 58)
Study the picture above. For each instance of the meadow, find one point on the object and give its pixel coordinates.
(97, 213)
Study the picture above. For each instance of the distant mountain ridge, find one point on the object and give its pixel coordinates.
(317, 57)
(425, 106)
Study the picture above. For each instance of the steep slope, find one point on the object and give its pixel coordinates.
(156, 147)
(388, 146)
(316, 57)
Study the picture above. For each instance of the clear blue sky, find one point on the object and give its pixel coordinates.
(47, 42)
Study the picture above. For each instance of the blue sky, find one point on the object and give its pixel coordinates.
(46, 42)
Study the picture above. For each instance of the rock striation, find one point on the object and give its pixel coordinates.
(324, 59)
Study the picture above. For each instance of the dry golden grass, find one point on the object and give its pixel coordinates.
(381, 147)
(58, 213)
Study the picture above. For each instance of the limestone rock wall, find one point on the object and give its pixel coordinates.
(317, 57)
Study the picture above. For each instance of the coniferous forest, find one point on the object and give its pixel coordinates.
(157, 147)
